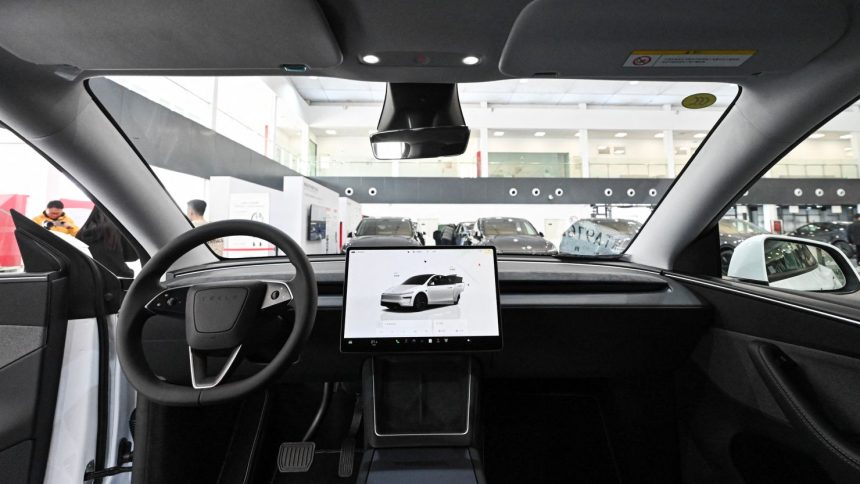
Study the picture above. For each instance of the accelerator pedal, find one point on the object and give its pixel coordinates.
(296, 456)
(346, 463)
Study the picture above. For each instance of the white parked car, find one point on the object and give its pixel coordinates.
(419, 292)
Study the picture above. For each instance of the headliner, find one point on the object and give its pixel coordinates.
(513, 38)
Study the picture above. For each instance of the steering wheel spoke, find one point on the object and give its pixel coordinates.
(277, 293)
(199, 362)
(169, 302)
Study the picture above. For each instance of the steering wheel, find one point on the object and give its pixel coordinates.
(218, 317)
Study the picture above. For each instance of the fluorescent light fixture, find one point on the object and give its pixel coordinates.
(660, 135)
(602, 147)
(816, 136)
(540, 133)
(370, 59)
(633, 83)
(578, 134)
(847, 148)
(330, 132)
(498, 133)
(621, 134)
(846, 136)
(699, 135)
(470, 60)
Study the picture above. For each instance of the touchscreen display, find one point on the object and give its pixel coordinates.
(421, 299)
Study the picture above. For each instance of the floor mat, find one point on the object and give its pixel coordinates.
(545, 437)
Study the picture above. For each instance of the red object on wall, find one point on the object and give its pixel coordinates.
(776, 226)
(9, 254)
(478, 159)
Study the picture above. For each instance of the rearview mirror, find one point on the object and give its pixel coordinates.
(792, 263)
(350, 235)
(420, 121)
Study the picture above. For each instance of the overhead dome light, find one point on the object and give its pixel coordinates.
(470, 60)
(330, 132)
(622, 134)
(540, 133)
(370, 59)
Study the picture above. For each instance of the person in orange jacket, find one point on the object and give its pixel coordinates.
(54, 218)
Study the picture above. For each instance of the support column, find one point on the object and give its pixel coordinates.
(769, 214)
(304, 157)
(855, 149)
(214, 120)
(669, 147)
(483, 149)
(584, 153)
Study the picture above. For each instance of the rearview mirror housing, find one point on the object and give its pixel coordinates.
(793, 263)
(420, 121)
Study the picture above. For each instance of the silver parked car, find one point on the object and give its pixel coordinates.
(421, 291)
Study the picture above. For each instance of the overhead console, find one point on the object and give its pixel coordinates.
(554, 38)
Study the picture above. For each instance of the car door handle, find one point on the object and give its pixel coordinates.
(782, 377)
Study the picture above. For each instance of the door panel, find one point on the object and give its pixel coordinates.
(737, 423)
(32, 334)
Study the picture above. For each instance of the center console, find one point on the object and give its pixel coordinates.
(419, 313)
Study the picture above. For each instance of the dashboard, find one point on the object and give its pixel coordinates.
(559, 319)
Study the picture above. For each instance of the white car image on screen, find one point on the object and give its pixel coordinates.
(423, 290)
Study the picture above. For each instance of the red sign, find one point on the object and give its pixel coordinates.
(9, 254)
(776, 226)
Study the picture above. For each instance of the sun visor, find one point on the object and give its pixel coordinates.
(669, 38)
(169, 34)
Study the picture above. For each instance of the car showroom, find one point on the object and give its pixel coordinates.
(576, 166)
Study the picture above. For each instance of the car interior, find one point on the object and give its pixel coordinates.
(656, 363)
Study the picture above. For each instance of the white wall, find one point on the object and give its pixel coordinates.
(221, 188)
(183, 187)
(298, 196)
(23, 171)
(350, 215)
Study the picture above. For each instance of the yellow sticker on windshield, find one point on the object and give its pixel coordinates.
(688, 58)
(699, 100)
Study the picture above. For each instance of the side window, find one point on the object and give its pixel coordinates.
(433, 281)
(32, 186)
(811, 193)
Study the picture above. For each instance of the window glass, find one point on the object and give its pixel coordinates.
(33, 187)
(813, 192)
(295, 152)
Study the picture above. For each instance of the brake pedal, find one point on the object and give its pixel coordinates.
(296, 456)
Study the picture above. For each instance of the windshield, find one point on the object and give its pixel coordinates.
(417, 280)
(294, 152)
(506, 226)
(384, 227)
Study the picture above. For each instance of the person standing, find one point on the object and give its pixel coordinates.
(854, 236)
(106, 244)
(55, 219)
(195, 210)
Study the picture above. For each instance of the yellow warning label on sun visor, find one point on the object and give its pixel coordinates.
(688, 58)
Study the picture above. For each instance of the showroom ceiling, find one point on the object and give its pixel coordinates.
(532, 91)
